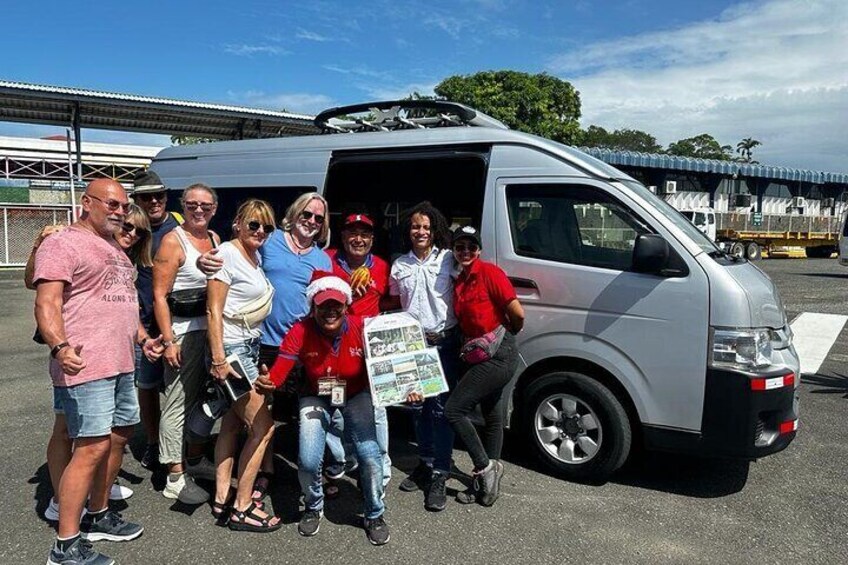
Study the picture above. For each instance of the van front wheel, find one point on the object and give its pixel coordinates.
(576, 426)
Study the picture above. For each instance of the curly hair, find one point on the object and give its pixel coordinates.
(439, 229)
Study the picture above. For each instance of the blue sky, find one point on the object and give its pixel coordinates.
(776, 70)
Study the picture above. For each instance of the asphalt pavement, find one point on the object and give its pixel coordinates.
(788, 508)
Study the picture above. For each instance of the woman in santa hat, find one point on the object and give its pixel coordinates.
(329, 344)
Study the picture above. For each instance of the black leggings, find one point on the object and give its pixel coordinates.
(483, 384)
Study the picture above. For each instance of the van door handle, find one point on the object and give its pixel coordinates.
(528, 284)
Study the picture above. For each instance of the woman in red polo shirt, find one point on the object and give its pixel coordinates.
(329, 344)
(489, 316)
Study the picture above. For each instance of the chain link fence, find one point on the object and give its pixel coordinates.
(21, 224)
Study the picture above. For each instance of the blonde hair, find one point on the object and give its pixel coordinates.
(254, 209)
(296, 209)
(141, 251)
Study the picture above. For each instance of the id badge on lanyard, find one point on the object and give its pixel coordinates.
(333, 387)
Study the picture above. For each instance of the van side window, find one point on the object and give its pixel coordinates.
(572, 224)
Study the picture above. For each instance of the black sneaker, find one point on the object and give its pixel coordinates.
(436, 498)
(111, 527)
(377, 531)
(418, 479)
(150, 459)
(80, 553)
(310, 523)
(490, 484)
(334, 471)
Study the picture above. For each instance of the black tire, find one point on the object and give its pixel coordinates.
(752, 251)
(612, 437)
(819, 252)
(737, 248)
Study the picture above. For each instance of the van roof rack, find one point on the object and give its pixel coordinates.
(394, 115)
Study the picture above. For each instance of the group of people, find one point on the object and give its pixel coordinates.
(134, 301)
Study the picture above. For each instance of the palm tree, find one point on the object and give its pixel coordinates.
(745, 147)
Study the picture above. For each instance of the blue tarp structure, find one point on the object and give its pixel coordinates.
(729, 168)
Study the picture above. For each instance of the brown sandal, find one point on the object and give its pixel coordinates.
(239, 521)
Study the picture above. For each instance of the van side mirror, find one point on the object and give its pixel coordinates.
(650, 254)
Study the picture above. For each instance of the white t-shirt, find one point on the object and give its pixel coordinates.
(247, 283)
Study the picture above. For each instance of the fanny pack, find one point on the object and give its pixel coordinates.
(253, 313)
(188, 303)
(482, 348)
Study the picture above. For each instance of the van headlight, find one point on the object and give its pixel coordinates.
(741, 349)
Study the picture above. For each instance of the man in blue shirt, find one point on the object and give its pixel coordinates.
(151, 196)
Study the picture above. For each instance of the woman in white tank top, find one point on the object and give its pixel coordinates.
(184, 338)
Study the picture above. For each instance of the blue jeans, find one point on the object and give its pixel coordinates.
(148, 376)
(432, 430)
(248, 353)
(341, 452)
(92, 409)
(359, 429)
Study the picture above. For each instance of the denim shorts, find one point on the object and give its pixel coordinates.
(248, 352)
(148, 376)
(92, 409)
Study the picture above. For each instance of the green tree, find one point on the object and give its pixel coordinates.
(533, 103)
(745, 149)
(703, 146)
(621, 139)
(190, 139)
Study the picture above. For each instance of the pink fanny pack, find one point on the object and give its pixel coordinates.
(482, 348)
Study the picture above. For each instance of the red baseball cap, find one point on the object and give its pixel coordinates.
(358, 219)
(329, 294)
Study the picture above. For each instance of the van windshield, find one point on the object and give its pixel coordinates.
(675, 217)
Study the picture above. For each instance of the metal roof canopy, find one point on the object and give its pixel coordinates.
(715, 166)
(80, 108)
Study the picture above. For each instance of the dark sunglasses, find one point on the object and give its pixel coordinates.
(205, 206)
(160, 196)
(307, 215)
(472, 247)
(130, 228)
(111, 204)
(253, 225)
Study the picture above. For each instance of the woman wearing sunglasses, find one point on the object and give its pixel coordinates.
(239, 298)
(489, 316)
(134, 239)
(179, 305)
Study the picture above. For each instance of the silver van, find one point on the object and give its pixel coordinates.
(639, 329)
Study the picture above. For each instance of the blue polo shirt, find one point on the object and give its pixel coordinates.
(289, 274)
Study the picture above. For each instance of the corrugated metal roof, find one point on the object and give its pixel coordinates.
(55, 105)
(692, 164)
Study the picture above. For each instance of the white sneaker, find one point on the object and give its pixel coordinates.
(120, 492)
(52, 511)
(185, 490)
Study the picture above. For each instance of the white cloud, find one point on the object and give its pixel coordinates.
(296, 102)
(396, 92)
(361, 71)
(312, 36)
(245, 50)
(774, 70)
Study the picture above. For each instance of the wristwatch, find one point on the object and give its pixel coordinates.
(57, 348)
(166, 343)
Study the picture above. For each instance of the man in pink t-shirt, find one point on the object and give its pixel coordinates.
(87, 311)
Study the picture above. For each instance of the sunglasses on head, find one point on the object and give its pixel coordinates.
(472, 247)
(253, 225)
(112, 205)
(160, 196)
(130, 228)
(205, 206)
(307, 215)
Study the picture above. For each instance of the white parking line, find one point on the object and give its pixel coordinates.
(815, 334)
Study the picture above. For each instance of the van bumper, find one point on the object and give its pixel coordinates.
(746, 415)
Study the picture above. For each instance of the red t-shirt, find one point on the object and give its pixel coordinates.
(480, 298)
(367, 305)
(342, 357)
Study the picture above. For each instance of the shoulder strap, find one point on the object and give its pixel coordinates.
(178, 217)
(211, 239)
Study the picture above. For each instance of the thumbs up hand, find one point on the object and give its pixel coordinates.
(71, 359)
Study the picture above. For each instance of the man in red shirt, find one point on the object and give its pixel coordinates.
(368, 276)
(330, 345)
